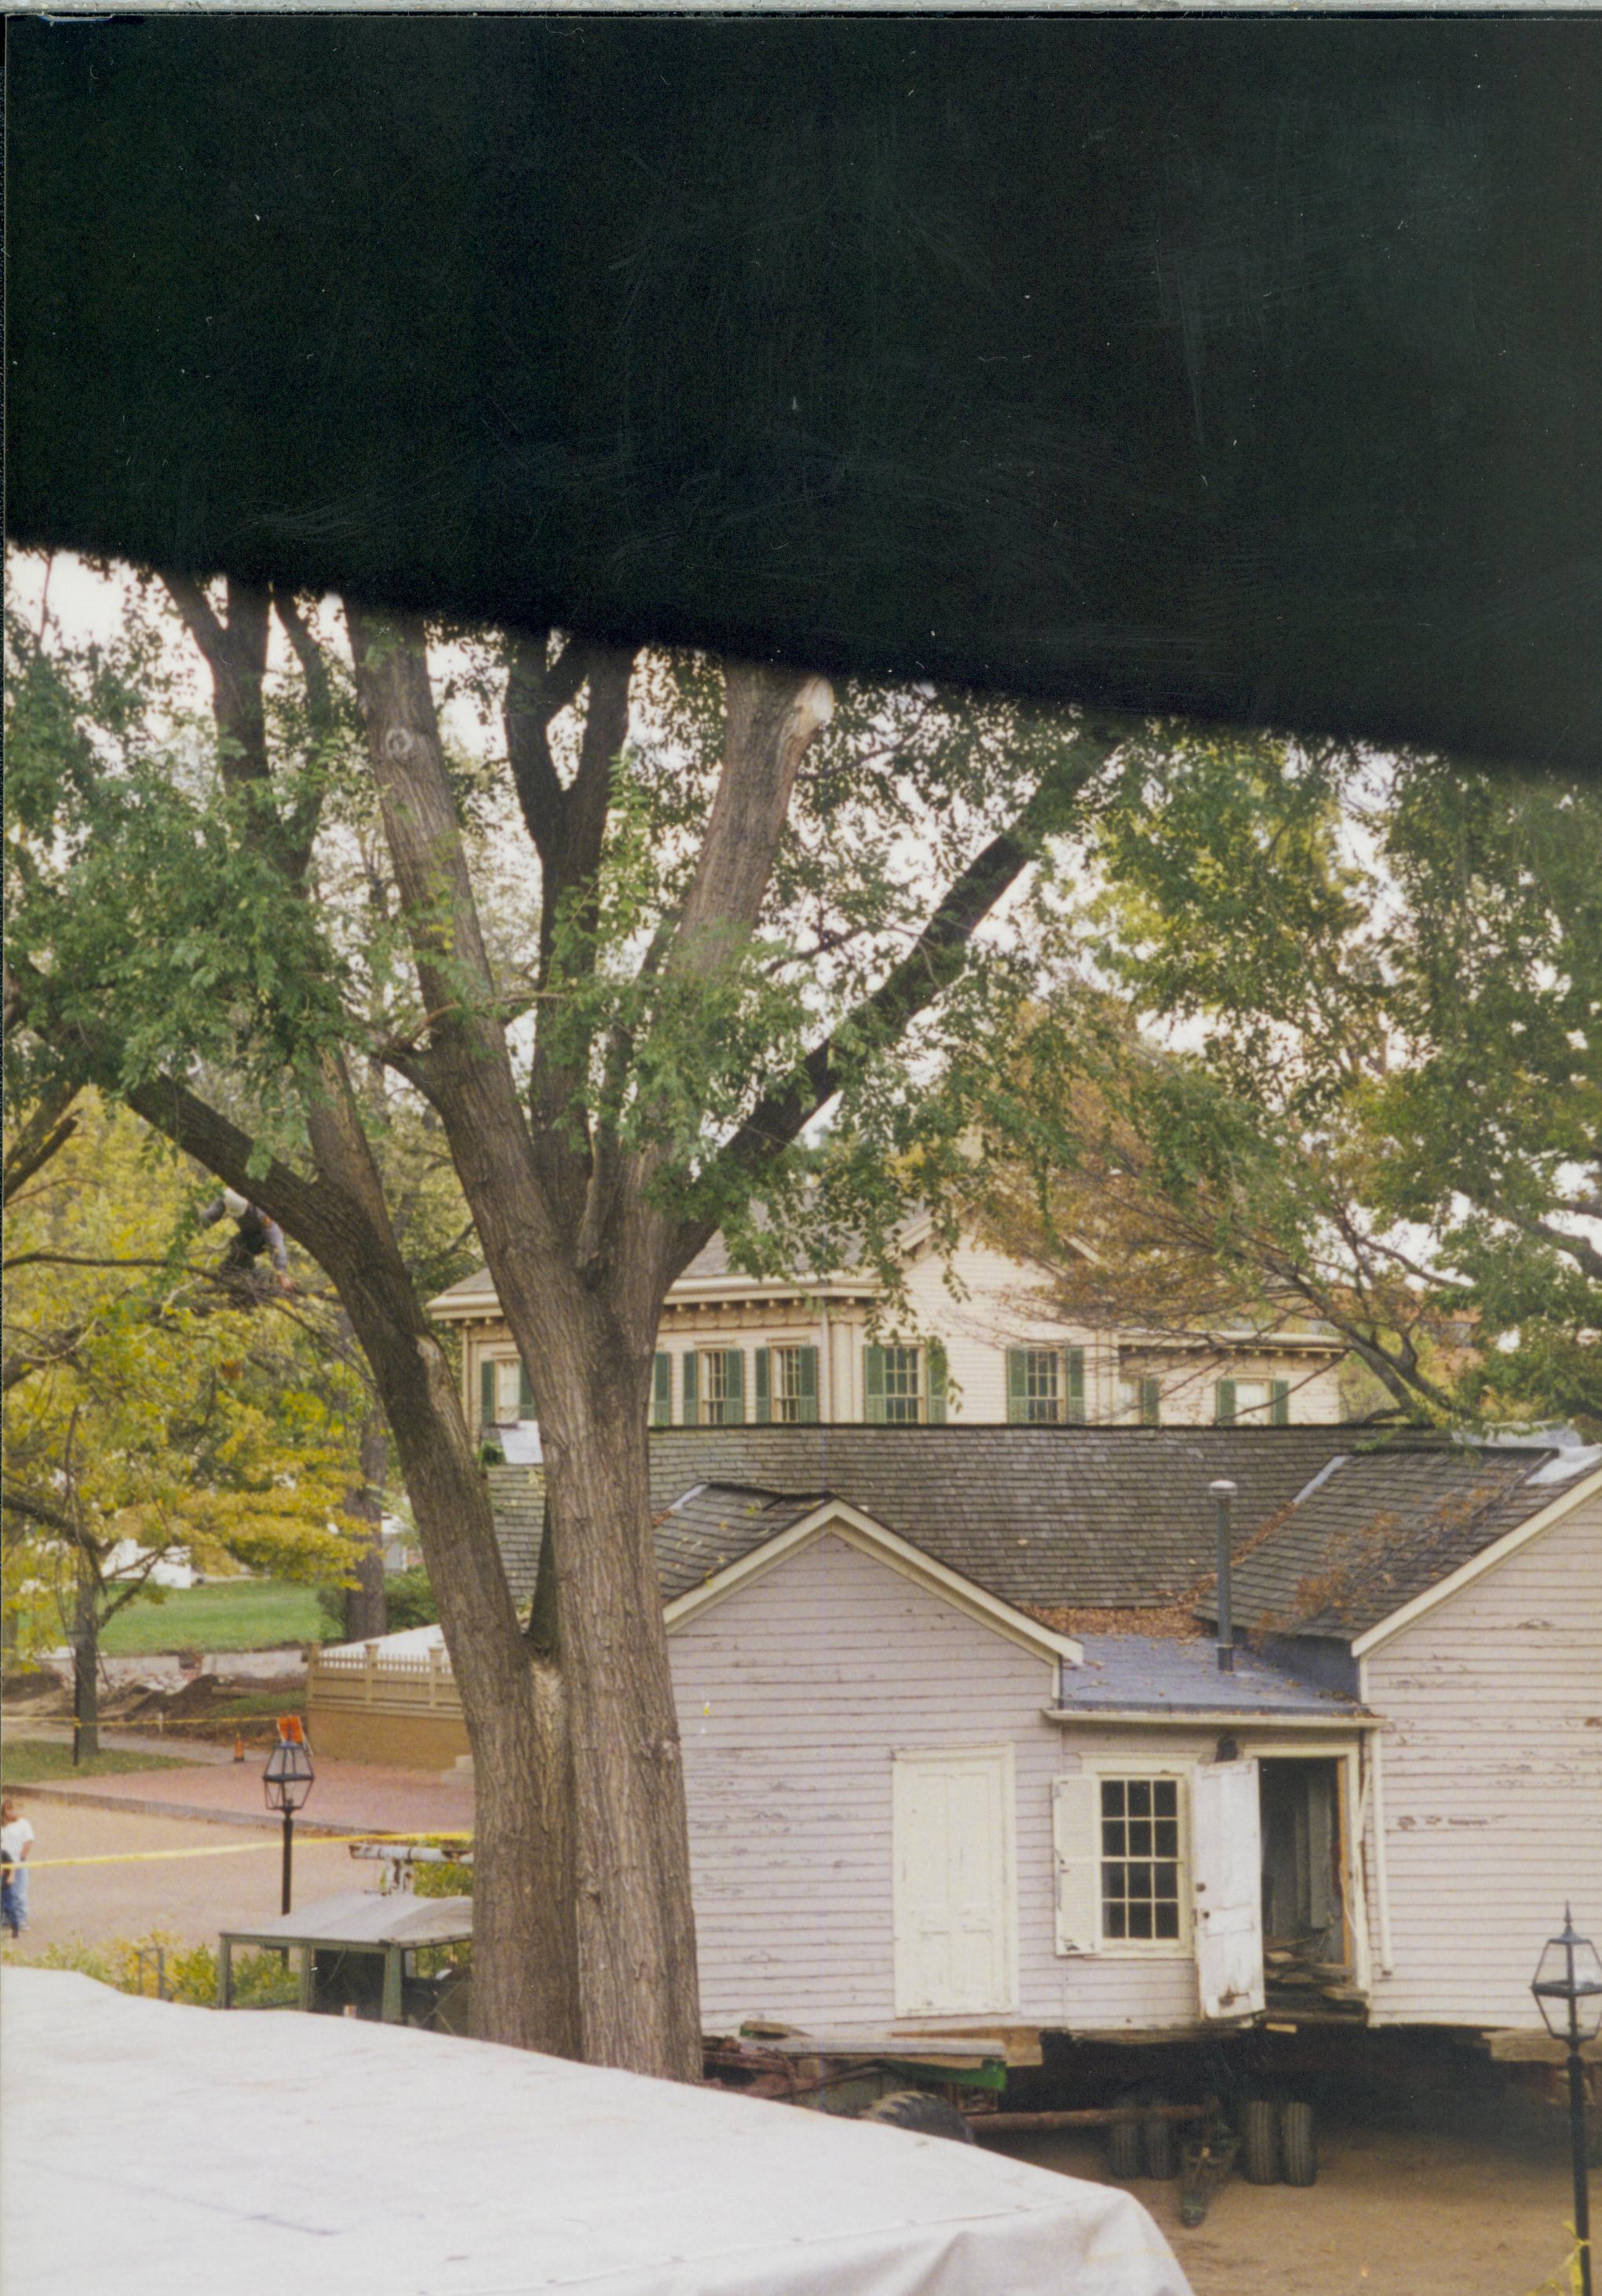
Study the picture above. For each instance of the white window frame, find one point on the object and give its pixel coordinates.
(784, 1399)
(709, 1358)
(1103, 1765)
(1256, 1413)
(918, 1397)
(1057, 1399)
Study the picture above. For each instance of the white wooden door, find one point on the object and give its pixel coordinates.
(1227, 1877)
(952, 1847)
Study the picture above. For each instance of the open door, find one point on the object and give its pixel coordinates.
(1227, 1868)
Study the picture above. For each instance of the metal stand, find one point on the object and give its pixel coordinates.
(1582, 2204)
(289, 1852)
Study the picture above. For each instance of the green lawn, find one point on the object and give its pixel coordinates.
(39, 1761)
(238, 1614)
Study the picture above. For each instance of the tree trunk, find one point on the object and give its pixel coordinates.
(86, 1664)
(525, 1963)
(635, 1916)
(366, 1605)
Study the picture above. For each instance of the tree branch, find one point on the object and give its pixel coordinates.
(933, 963)
(43, 1135)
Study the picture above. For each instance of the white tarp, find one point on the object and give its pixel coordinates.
(155, 2150)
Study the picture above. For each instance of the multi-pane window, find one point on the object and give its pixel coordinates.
(1042, 1386)
(505, 1394)
(903, 1386)
(791, 1392)
(1260, 1402)
(1139, 1859)
(714, 1386)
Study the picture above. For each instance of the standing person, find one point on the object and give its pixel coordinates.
(255, 1231)
(16, 1840)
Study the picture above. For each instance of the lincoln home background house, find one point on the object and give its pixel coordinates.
(737, 1349)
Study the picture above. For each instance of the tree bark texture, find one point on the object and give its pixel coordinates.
(366, 1607)
(86, 1663)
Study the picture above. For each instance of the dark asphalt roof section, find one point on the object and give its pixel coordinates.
(1139, 1674)
(1037, 1515)
(1384, 1527)
(714, 1524)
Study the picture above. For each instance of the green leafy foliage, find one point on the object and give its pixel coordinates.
(148, 1415)
(409, 1602)
(1367, 1086)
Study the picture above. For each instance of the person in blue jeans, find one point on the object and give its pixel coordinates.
(16, 1840)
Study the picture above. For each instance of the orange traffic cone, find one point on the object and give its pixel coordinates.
(239, 1746)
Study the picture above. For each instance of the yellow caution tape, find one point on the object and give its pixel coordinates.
(241, 1848)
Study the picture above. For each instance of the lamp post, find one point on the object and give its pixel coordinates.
(1567, 1986)
(287, 1779)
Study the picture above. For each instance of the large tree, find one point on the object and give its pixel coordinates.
(151, 1413)
(673, 912)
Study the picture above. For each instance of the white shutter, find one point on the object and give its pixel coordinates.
(1076, 1840)
(1226, 1875)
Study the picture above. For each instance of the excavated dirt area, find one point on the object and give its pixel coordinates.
(1400, 2209)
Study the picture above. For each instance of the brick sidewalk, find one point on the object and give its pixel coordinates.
(348, 1797)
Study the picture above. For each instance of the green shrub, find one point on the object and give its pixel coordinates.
(188, 1972)
(409, 1602)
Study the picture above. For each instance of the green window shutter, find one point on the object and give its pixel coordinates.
(935, 1364)
(1017, 1385)
(661, 1389)
(734, 1408)
(691, 1407)
(1223, 1403)
(525, 1392)
(1151, 1402)
(486, 1393)
(764, 1386)
(1073, 1406)
(807, 1400)
(873, 1381)
(1279, 1402)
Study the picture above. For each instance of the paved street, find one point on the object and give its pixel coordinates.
(346, 1794)
(191, 1897)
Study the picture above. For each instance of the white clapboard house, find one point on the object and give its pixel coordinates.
(959, 1752)
(737, 1349)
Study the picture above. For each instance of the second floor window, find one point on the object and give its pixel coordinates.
(1256, 1402)
(787, 1385)
(505, 1394)
(905, 1386)
(1044, 1386)
(714, 1387)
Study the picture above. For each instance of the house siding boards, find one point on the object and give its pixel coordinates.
(795, 1692)
(1491, 1754)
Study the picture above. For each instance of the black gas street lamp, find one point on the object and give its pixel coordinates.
(288, 1778)
(1567, 1986)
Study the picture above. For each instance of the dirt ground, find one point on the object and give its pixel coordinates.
(191, 1897)
(1396, 2211)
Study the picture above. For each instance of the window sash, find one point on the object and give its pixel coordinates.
(720, 1387)
(903, 1386)
(1142, 1862)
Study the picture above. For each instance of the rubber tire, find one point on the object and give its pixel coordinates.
(915, 2110)
(1161, 2150)
(1259, 2141)
(1298, 2148)
(1126, 2150)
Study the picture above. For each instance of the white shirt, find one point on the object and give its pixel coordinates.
(14, 1839)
